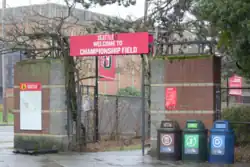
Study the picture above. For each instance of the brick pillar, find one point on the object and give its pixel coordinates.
(50, 73)
(195, 81)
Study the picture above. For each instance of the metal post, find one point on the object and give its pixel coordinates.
(143, 104)
(145, 10)
(217, 102)
(96, 101)
(156, 34)
(116, 117)
(149, 92)
(227, 91)
(78, 115)
(143, 86)
(5, 113)
(69, 114)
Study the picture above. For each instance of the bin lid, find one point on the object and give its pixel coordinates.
(169, 124)
(195, 124)
(221, 125)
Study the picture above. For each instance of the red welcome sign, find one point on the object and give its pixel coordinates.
(107, 66)
(109, 44)
(170, 98)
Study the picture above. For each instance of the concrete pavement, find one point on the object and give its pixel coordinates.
(102, 159)
(6, 134)
(6, 138)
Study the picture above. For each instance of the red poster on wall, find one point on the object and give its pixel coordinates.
(235, 82)
(170, 98)
(107, 66)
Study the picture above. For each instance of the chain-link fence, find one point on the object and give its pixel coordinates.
(118, 116)
(120, 111)
(236, 109)
(229, 100)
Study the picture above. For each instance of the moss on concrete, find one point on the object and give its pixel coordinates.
(36, 61)
(37, 143)
(181, 57)
(33, 61)
(35, 67)
(35, 70)
(32, 70)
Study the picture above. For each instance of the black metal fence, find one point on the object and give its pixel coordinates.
(223, 99)
(229, 100)
(236, 109)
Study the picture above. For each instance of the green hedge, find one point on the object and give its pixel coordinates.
(128, 91)
(239, 114)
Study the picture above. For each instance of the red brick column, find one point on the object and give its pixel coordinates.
(195, 80)
(31, 71)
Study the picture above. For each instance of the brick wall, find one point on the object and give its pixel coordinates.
(50, 73)
(195, 81)
(36, 71)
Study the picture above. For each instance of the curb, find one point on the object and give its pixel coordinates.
(6, 124)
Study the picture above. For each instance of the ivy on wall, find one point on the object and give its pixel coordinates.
(181, 57)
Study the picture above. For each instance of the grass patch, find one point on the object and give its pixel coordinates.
(242, 154)
(125, 148)
(115, 145)
(10, 119)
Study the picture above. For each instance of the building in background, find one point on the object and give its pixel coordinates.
(127, 74)
(127, 67)
(10, 60)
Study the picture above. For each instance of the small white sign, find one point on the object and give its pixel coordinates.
(30, 106)
(86, 104)
(166, 140)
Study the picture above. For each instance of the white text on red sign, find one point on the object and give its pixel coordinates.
(108, 40)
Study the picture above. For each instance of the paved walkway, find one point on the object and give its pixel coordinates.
(103, 159)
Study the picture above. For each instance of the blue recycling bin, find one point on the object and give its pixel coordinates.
(221, 143)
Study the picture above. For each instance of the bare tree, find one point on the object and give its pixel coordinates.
(167, 15)
(91, 3)
(41, 36)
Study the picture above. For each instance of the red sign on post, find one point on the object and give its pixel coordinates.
(107, 66)
(109, 44)
(170, 98)
(235, 82)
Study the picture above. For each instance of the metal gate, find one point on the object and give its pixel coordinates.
(217, 114)
(85, 115)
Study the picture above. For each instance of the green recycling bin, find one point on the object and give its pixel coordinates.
(169, 141)
(194, 147)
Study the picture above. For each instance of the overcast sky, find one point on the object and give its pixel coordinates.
(114, 10)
